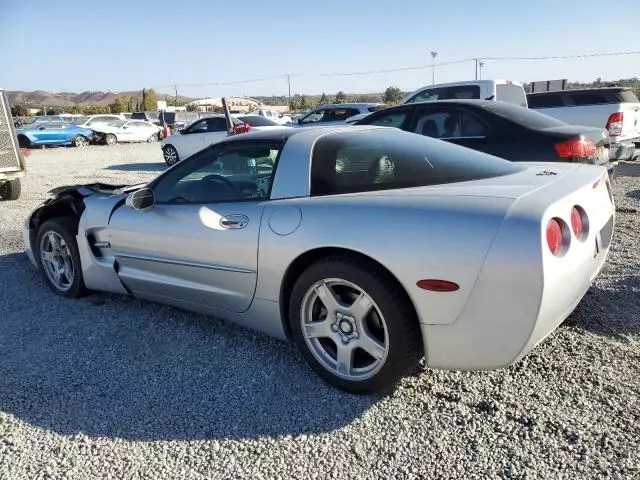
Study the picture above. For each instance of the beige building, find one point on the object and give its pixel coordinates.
(239, 104)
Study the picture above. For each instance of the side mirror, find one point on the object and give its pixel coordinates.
(141, 200)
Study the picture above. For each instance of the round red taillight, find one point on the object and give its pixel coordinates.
(576, 222)
(554, 236)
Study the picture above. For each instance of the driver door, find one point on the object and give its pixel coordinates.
(199, 241)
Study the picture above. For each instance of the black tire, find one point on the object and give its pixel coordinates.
(80, 141)
(404, 336)
(23, 142)
(170, 154)
(153, 138)
(10, 189)
(110, 139)
(65, 228)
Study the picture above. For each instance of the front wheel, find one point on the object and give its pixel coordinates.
(170, 155)
(11, 189)
(58, 257)
(153, 138)
(80, 141)
(354, 325)
(110, 139)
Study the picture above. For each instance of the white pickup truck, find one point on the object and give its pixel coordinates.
(616, 109)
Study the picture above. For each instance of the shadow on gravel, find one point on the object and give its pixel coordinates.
(112, 366)
(139, 167)
(628, 169)
(613, 312)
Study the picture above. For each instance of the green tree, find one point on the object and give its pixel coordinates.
(323, 100)
(192, 108)
(119, 105)
(19, 111)
(341, 97)
(149, 100)
(392, 95)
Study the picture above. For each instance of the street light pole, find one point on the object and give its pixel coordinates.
(481, 65)
(433, 67)
(289, 84)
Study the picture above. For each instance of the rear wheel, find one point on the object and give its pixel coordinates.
(58, 257)
(23, 142)
(170, 155)
(11, 189)
(153, 138)
(80, 141)
(110, 139)
(354, 325)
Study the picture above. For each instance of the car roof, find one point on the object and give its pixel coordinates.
(580, 90)
(284, 133)
(345, 105)
(472, 102)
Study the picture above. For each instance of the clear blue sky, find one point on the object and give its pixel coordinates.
(78, 45)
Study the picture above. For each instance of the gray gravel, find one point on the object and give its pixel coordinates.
(111, 387)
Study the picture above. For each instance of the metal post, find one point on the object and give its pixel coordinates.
(433, 67)
(289, 83)
(481, 64)
(476, 60)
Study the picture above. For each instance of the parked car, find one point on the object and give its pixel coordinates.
(365, 246)
(151, 117)
(336, 113)
(54, 134)
(126, 131)
(41, 119)
(260, 122)
(12, 163)
(198, 135)
(502, 129)
(272, 114)
(615, 108)
(91, 121)
(502, 90)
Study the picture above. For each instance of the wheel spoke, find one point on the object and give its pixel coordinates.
(54, 240)
(317, 329)
(344, 359)
(46, 256)
(327, 298)
(361, 307)
(371, 345)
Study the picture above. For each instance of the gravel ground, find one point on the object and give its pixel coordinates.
(111, 387)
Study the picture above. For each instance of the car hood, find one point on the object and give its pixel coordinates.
(88, 189)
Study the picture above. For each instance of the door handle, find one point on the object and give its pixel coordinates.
(234, 221)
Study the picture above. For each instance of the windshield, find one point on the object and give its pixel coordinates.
(258, 121)
(370, 160)
(80, 120)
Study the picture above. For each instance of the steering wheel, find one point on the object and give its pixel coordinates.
(231, 188)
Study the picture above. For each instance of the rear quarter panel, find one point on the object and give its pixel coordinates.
(427, 236)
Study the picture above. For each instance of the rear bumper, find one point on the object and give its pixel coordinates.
(499, 334)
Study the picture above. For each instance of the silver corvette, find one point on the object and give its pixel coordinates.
(367, 247)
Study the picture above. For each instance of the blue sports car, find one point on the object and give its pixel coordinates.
(54, 133)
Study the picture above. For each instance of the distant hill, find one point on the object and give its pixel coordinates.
(40, 98)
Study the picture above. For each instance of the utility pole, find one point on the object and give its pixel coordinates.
(289, 84)
(175, 103)
(433, 67)
(481, 64)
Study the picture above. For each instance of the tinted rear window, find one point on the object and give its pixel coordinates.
(545, 101)
(382, 159)
(627, 96)
(446, 93)
(508, 92)
(588, 98)
(523, 116)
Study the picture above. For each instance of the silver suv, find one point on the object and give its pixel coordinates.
(12, 165)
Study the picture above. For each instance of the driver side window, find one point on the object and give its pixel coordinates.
(225, 174)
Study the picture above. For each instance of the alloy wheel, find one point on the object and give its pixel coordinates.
(344, 329)
(57, 261)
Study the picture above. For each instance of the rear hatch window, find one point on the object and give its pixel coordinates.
(627, 96)
(511, 93)
(371, 160)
